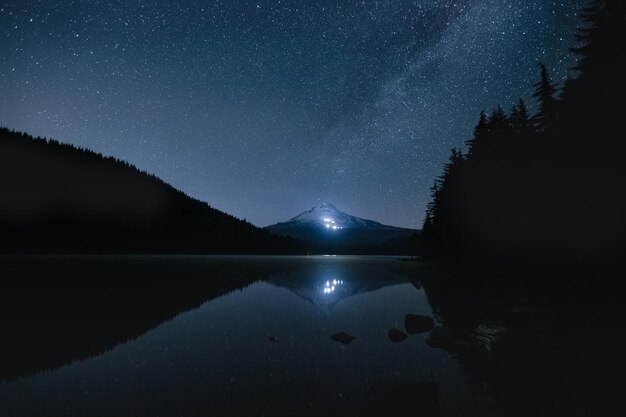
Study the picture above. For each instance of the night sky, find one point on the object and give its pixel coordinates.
(266, 108)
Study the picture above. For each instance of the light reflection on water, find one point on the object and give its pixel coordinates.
(264, 350)
(331, 286)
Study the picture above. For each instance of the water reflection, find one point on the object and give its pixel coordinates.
(54, 311)
(541, 349)
(331, 286)
(331, 280)
(261, 345)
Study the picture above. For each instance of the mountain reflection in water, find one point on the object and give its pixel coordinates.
(221, 335)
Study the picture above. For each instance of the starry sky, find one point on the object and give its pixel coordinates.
(266, 108)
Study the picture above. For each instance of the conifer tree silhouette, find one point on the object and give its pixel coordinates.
(481, 130)
(526, 182)
(545, 91)
(520, 119)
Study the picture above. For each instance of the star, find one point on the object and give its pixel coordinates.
(278, 103)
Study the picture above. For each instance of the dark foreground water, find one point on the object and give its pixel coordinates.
(251, 336)
(199, 336)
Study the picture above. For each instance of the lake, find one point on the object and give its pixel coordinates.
(244, 336)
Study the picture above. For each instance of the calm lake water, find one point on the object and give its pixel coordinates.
(198, 336)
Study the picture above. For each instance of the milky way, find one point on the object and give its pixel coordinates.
(264, 109)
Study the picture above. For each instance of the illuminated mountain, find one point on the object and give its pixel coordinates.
(325, 224)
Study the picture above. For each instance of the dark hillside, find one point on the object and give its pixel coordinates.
(55, 198)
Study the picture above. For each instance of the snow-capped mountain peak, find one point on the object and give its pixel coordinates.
(327, 216)
(328, 225)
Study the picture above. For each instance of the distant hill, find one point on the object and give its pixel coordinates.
(56, 198)
(342, 232)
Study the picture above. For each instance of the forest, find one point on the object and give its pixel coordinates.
(545, 187)
(57, 198)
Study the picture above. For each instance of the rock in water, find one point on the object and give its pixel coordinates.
(274, 339)
(343, 338)
(446, 338)
(396, 335)
(414, 323)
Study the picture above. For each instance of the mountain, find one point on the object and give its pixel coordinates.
(333, 229)
(56, 198)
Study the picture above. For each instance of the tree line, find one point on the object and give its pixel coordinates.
(57, 198)
(549, 184)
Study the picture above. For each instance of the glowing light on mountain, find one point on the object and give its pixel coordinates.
(330, 223)
(331, 286)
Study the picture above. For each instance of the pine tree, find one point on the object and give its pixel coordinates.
(545, 92)
(481, 131)
(444, 193)
(601, 54)
(520, 119)
(498, 120)
(603, 30)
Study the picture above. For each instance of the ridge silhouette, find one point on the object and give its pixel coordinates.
(57, 198)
